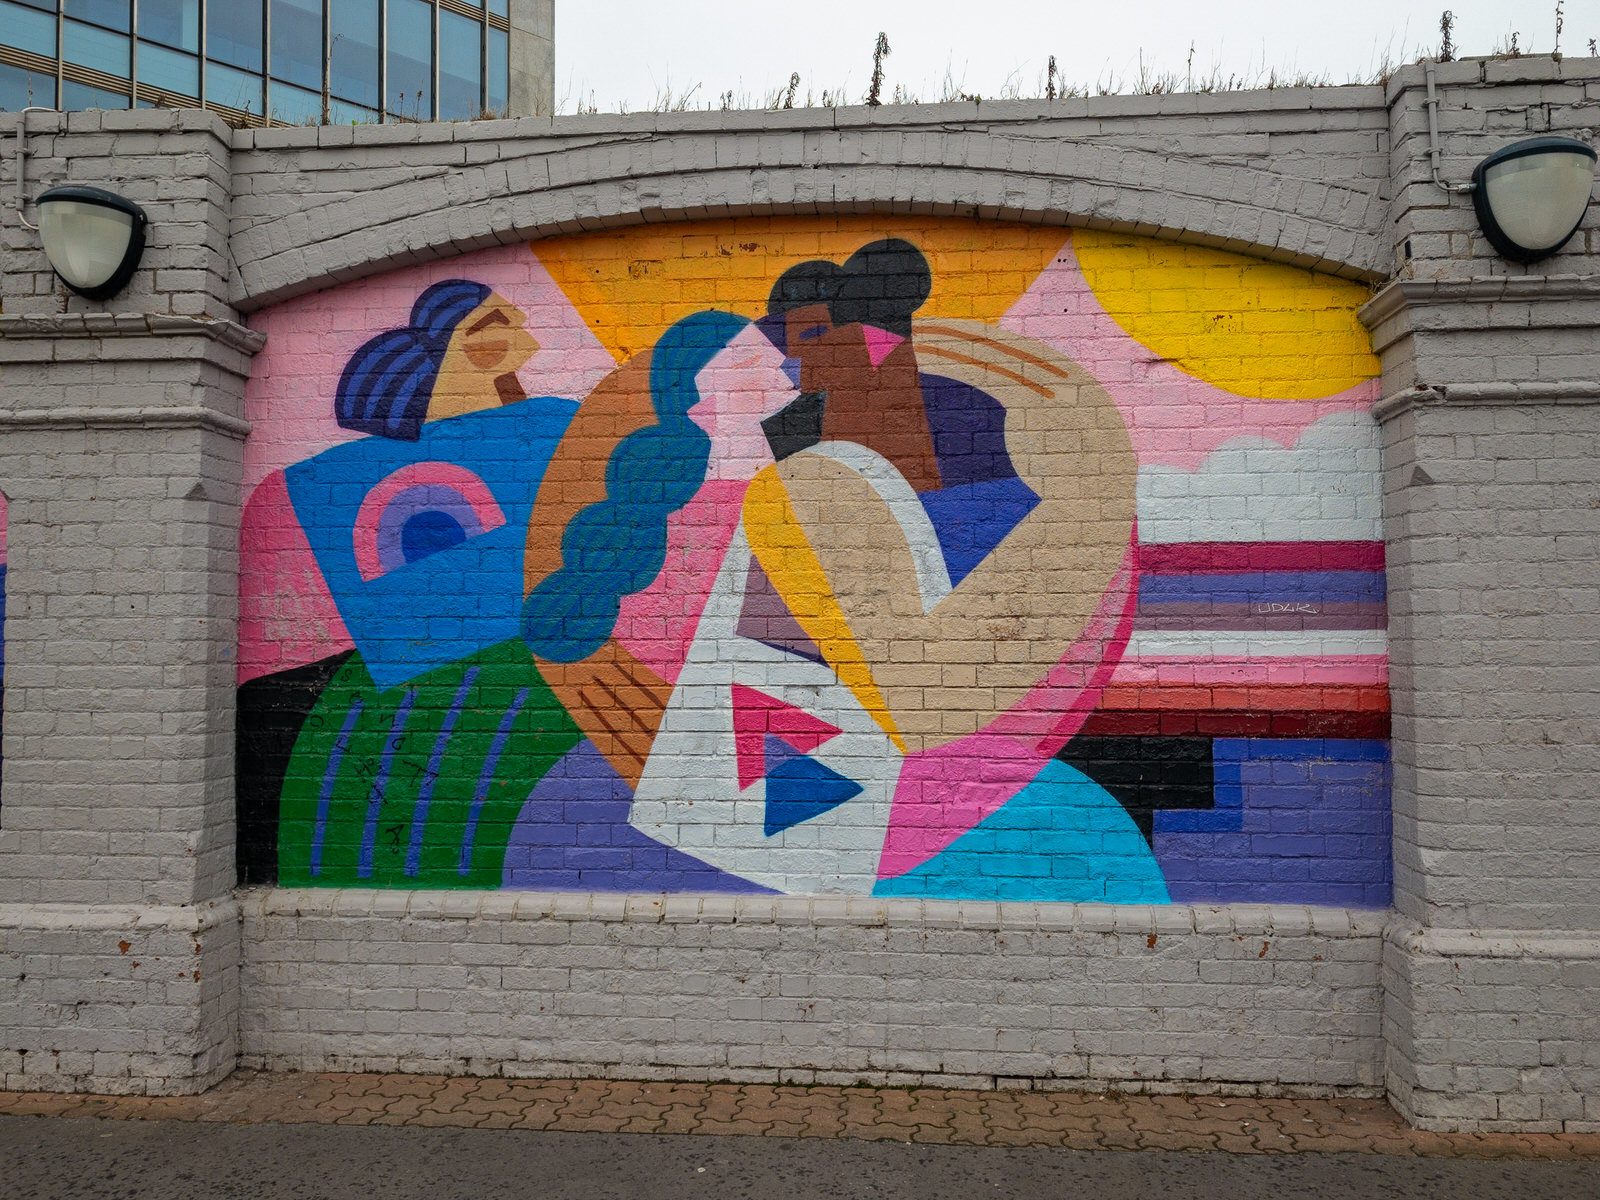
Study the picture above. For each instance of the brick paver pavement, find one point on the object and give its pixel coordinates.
(1072, 1120)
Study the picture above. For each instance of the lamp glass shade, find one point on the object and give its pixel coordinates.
(1531, 196)
(93, 238)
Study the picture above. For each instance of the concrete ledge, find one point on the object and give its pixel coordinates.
(1257, 999)
(123, 325)
(175, 417)
(1572, 391)
(679, 908)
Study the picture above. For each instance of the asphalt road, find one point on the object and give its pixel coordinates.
(46, 1158)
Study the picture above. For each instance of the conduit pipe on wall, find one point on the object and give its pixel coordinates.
(1434, 152)
(22, 158)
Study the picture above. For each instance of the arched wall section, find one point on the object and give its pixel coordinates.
(883, 554)
(1290, 176)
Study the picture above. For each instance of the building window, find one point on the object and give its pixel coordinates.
(291, 61)
(292, 105)
(410, 39)
(353, 52)
(98, 49)
(81, 95)
(460, 67)
(168, 70)
(297, 42)
(21, 88)
(234, 33)
(174, 23)
(497, 98)
(233, 89)
(29, 29)
(113, 14)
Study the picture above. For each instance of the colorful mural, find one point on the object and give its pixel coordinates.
(908, 557)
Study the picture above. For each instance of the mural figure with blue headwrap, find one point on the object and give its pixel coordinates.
(458, 354)
(475, 670)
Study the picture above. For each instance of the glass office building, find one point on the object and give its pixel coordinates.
(258, 61)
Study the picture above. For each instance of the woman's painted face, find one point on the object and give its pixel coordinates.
(739, 388)
(494, 336)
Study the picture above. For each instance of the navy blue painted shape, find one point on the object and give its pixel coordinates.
(800, 788)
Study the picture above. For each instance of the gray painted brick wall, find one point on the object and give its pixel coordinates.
(761, 989)
(120, 459)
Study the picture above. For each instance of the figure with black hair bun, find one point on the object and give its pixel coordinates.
(919, 602)
(849, 328)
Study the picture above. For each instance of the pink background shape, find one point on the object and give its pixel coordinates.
(1174, 419)
(287, 618)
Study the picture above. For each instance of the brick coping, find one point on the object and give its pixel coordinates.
(1067, 1120)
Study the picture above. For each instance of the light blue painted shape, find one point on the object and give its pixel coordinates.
(1063, 837)
(800, 788)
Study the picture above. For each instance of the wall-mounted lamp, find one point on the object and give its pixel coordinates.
(1531, 196)
(92, 237)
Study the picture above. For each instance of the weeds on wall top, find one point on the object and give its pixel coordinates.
(1050, 84)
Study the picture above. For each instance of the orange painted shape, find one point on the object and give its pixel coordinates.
(631, 284)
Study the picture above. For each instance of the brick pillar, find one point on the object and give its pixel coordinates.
(1491, 445)
(120, 441)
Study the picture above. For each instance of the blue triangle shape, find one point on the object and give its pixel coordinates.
(800, 788)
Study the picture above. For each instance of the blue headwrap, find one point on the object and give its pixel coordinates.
(616, 546)
(387, 384)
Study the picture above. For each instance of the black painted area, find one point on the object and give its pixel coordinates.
(1145, 773)
(795, 427)
(271, 711)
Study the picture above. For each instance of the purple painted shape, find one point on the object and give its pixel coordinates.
(421, 497)
(765, 618)
(573, 835)
(1266, 615)
(969, 432)
(1297, 821)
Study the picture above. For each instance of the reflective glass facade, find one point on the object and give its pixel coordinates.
(288, 61)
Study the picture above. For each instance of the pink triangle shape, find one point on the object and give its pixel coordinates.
(755, 715)
(880, 344)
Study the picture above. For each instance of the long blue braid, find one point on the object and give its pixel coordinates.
(616, 546)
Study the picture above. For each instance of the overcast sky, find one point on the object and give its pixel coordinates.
(626, 53)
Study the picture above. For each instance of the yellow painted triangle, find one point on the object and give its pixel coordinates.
(781, 547)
